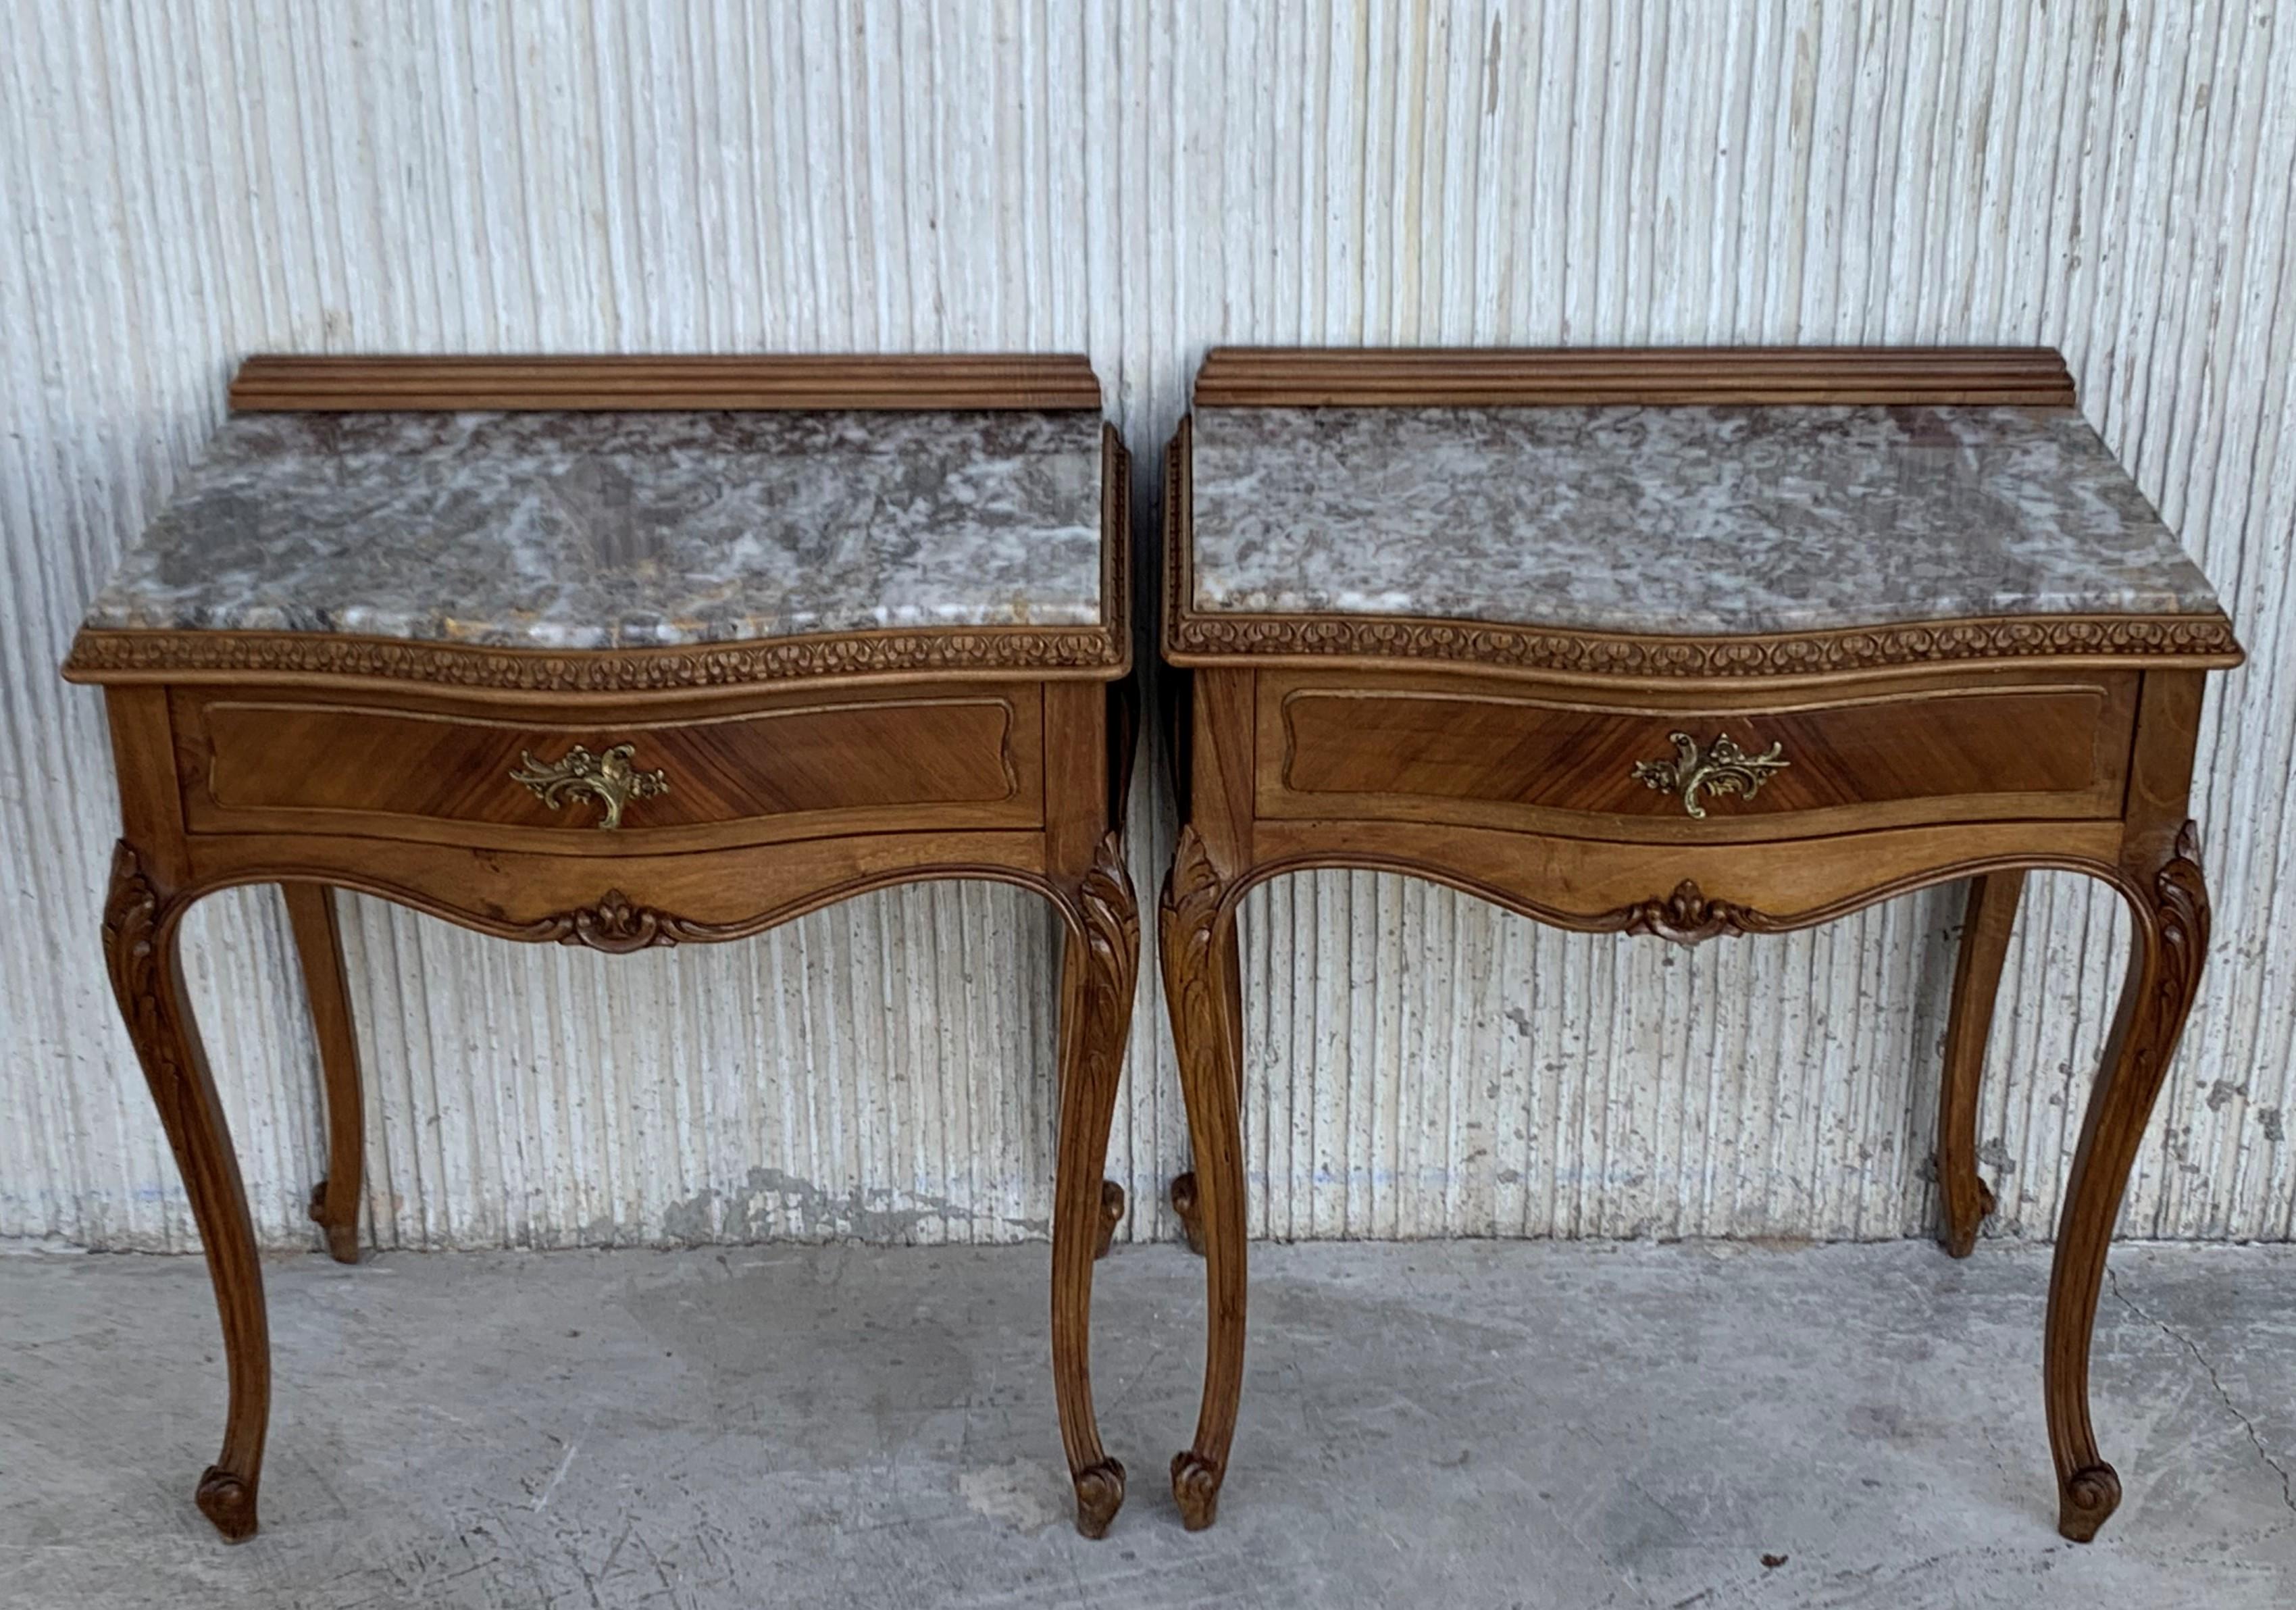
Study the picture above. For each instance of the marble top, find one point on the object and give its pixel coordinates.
(1678, 520)
(576, 531)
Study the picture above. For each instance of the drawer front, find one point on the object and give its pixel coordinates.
(255, 764)
(1487, 756)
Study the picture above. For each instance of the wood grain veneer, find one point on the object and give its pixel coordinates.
(1527, 757)
(847, 765)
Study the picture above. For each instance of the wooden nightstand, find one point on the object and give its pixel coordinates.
(622, 652)
(1683, 643)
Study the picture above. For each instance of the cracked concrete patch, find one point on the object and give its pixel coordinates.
(1026, 1495)
(2216, 1382)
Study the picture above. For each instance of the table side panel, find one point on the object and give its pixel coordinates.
(1477, 752)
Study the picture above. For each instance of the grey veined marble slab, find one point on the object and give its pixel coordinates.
(592, 530)
(1675, 520)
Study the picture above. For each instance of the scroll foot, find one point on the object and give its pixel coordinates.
(1112, 1214)
(1960, 1235)
(1099, 1495)
(228, 1501)
(1183, 1204)
(1195, 1489)
(2086, 1501)
(342, 1236)
(1990, 917)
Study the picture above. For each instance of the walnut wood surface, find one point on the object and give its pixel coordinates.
(140, 929)
(799, 774)
(1498, 762)
(1986, 923)
(1097, 977)
(624, 898)
(1196, 940)
(319, 952)
(276, 382)
(797, 769)
(1930, 749)
(1462, 377)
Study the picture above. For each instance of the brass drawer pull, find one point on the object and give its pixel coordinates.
(1722, 767)
(610, 777)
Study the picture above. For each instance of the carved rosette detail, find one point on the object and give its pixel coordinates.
(1488, 646)
(617, 925)
(1688, 917)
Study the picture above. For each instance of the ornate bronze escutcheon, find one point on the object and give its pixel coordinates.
(1722, 767)
(610, 777)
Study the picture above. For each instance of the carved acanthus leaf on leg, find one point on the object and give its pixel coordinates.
(137, 925)
(2176, 928)
(1092, 1053)
(1195, 989)
(1183, 931)
(131, 953)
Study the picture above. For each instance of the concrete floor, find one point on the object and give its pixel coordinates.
(1465, 1423)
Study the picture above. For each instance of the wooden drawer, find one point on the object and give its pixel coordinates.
(962, 758)
(1480, 753)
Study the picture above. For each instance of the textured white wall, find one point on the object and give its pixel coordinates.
(184, 183)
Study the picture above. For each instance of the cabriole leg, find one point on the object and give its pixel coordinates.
(2169, 944)
(1198, 944)
(1098, 975)
(1976, 980)
(318, 943)
(1183, 1193)
(140, 927)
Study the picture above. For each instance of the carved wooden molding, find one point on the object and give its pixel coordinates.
(117, 656)
(295, 382)
(2180, 909)
(1112, 924)
(1456, 377)
(2180, 893)
(617, 926)
(1688, 917)
(1185, 921)
(2194, 641)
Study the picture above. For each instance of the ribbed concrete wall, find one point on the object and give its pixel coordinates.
(181, 183)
